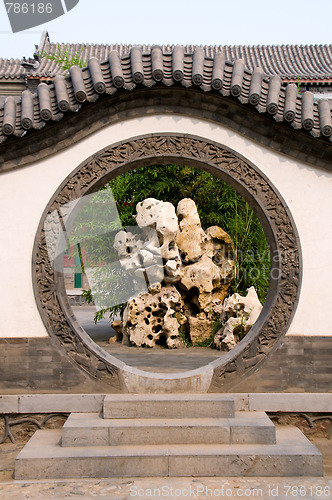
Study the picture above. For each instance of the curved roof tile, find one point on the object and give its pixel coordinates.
(11, 68)
(141, 67)
(290, 62)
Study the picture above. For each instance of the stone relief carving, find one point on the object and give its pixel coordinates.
(193, 151)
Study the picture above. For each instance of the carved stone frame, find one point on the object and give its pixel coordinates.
(280, 230)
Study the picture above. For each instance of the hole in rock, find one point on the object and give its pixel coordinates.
(161, 341)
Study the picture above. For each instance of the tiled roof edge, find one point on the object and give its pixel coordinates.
(287, 61)
(140, 69)
(11, 69)
(310, 63)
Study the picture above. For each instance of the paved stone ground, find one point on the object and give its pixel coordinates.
(159, 488)
(154, 360)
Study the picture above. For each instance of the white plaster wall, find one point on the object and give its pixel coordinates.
(24, 194)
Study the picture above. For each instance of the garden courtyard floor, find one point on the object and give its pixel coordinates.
(157, 359)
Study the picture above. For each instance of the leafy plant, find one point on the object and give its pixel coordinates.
(65, 58)
(183, 336)
(114, 311)
(216, 325)
(96, 222)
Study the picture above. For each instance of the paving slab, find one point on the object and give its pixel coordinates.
(9, 404)
(69, 403)
(252, 427)
(54, 403)
(292, 402)
(123, 488)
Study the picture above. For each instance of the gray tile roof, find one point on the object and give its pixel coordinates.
(147, 67)
(11, 69)
(290, 62)
(309, 63)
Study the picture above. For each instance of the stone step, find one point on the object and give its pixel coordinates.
(167, 405)
(90, 429)
(44, 458)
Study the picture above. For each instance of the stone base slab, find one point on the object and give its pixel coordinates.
(90, 429)
(44, 458)
(88, 403)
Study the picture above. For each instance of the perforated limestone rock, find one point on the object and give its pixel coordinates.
(187, 271)
(238, 316)
(154, 318)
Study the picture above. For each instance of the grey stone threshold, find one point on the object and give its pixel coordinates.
(87, 403)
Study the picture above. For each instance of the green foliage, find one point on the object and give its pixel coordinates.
(205, 343)
(184, 337)
(108, 293)
(114, 312)
(64, 58)
(240, 332)
(87, 295)
(94, 226)
(216, 325)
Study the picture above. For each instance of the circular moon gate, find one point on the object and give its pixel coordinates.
(263, 197)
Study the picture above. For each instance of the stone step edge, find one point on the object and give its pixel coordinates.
(185, 396)
(245, 427)
(98, 419)
(153, 405)
(87, 420)
(44, 458)
(290, 436)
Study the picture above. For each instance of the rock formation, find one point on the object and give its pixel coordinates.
(186, 270)
(238, 316)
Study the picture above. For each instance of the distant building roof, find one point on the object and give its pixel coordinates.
(11, 68)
